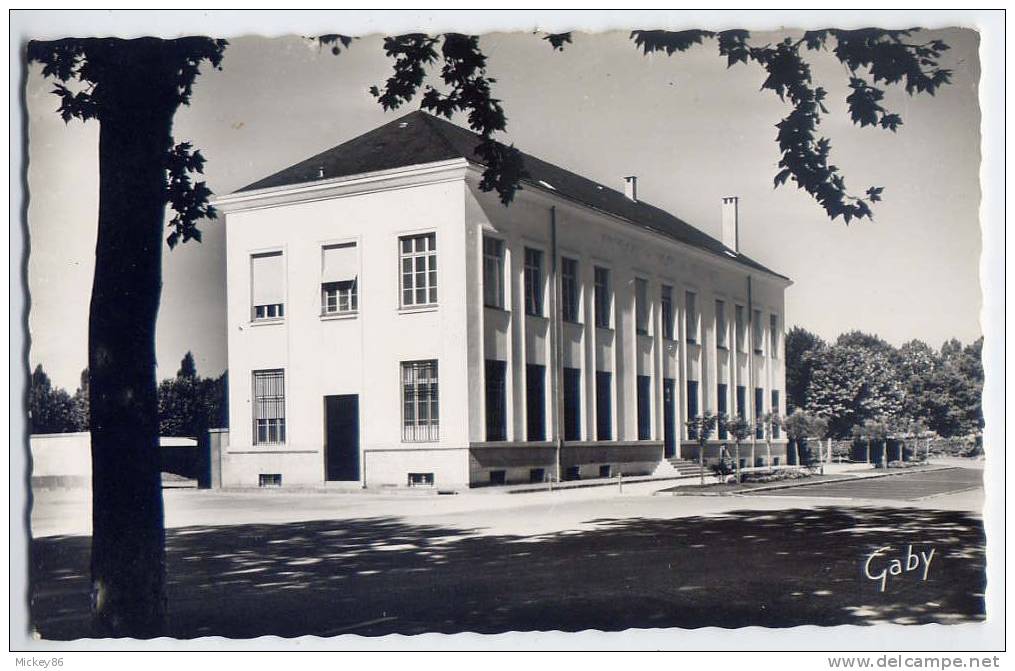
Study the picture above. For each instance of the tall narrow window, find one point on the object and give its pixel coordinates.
(741, 328)
(722, 406)
(604, 405)
(569, 289)
(269, 407)
(641, 306)
(496, 400)
(775, 409)
(759, 411)
(644, 407)
(692, 405)
(742, 401)
(773, 334)
(535, 401)
(533, 282)
(267, 286)
(690, 317)
(666, 306)
(493, 273)
(720, 325)
(758, 330)
(420, 403)
(603, 298)
(572, 403)
(419, 269)
(339, 279)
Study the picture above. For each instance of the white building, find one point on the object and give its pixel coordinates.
(390, 324)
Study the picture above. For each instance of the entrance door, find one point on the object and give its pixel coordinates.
(669, 419)
(341, 450)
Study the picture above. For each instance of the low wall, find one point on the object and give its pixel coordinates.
(64, 460)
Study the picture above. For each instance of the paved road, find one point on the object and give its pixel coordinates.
(907, 487)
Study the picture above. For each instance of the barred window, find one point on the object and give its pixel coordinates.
(533, 282)
(420, 408)
(666, 304)
(569, 289)
(269, 407)
(493, 273)
(418, 255)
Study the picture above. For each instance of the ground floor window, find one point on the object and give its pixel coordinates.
(572, 404)
(775, 408)
(644, 407)
(692, 406)
(496, 400)
(759, 411)
(269, 407)
(742, 401)
(604, 405)
(722, 407)
(420, 406)
(535, 401)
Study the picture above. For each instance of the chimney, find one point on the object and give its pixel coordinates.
(730, 223)
(631, 187)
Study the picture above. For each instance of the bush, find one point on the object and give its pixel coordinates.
(722, 469)
(905, 464)
(775, 476)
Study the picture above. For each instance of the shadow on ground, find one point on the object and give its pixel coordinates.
(382, 575)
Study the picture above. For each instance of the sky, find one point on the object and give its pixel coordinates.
(692, 130)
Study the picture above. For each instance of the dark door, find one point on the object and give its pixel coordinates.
(669, 419)
(341, 450)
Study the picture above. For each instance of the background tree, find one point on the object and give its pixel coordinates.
(133, 89)
(850, 384)
(50, 409)
(700, 429)
(801, 347)
(81, 403)
(189, 405)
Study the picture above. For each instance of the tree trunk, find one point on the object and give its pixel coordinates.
(128, 538)
(768, 448)
(738, 461)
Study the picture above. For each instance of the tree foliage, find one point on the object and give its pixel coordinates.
(801, 346)
(189, 404)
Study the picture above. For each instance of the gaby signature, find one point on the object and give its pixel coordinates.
(880, 565)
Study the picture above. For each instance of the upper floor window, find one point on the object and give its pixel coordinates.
(493, 273)
(691, 316)
(603, 297)
(773, 330)
(569, 289)
(533, 282)
(758, 330)
(420, 406)
(741, 327)
(339, 279)
(666, 305)
(418, 255)
(267, 286)
(720, 325)
(641, 305)
(269, 407)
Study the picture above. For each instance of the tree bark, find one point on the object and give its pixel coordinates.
(128, 538)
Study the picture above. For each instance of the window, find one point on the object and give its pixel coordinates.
(498, 477)
(267, 286)
(742, 401)
(496, 400)
(493, 273)
(775, 408)
(666, 304)
(269, 479)
(692, 405)
(773, 330)
(418, 255)
(269, 407)
(603, 298)
(644, 407)
(420, 408)
(535, 401)
(569, 289)
(604, 405)
(758, 332)
(741, 328)
(339, 275)
(537, 475)
(690, 317)
(759, 410)
(605, 471)
(420, 480)
(572, 404)
(533, 282)
(722, 407)
(641, 305)
(720, 325)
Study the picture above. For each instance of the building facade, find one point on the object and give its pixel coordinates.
(390, 324)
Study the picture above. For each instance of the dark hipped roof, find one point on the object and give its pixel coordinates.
(419, 138)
